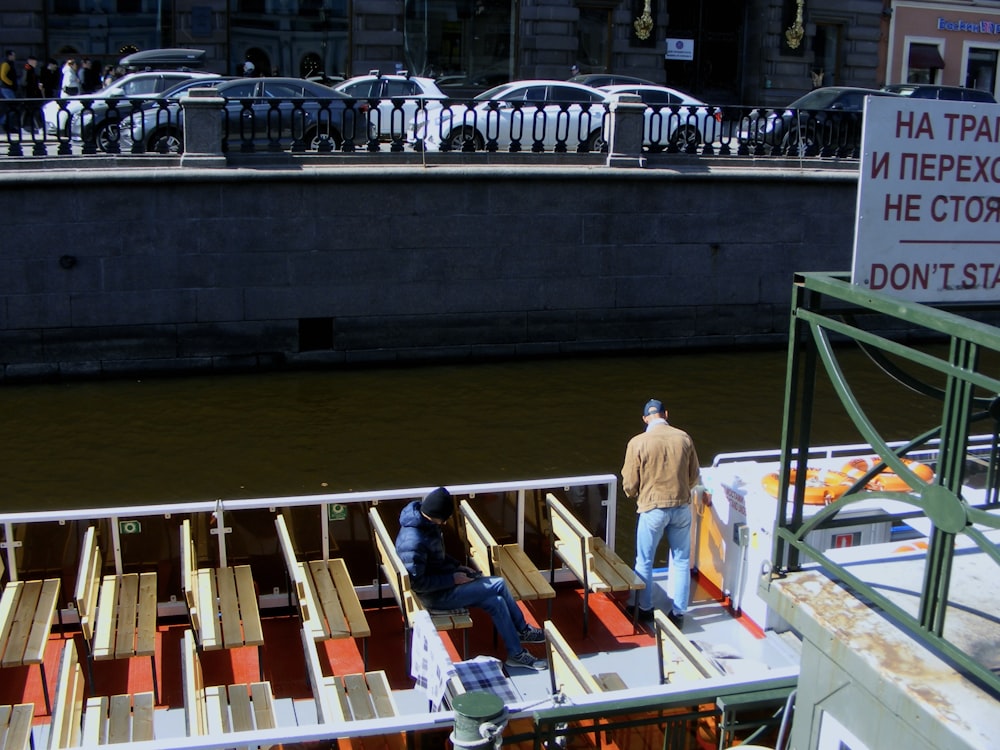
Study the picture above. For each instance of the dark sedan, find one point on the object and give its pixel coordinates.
(260, 113)
(826, 120)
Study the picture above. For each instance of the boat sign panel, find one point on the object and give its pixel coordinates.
(928, 218)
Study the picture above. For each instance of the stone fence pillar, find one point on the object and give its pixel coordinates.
(627, 122)
(203, 110)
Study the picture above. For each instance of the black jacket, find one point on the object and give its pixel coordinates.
(420, 546)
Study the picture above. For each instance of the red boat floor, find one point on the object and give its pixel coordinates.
(609, 629)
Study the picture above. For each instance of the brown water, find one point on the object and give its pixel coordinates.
(232, 436)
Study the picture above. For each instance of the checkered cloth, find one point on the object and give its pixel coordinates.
(431, 667)
(486, 673)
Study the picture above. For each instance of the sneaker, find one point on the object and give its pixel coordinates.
(527, 660)
(676, 619)
(645, 615)
(532, 635)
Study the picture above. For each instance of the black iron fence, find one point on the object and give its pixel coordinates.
(155, 126)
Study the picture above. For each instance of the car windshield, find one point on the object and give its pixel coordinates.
(819, 99)
(493, 93)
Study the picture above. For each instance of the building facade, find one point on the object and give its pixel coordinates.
(724, 51)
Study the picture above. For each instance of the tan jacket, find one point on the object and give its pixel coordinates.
(661, 467)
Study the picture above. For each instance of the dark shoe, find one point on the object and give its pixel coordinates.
(528, 661)
(677, 620)
(645, 615)
(532, 635)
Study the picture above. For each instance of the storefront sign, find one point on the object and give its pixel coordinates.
(680, 49)
(970, 27)
(928, 219)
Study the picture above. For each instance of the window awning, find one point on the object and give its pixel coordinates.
(925, 56)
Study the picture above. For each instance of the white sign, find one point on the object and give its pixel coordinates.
(928, 219)
(680, 49)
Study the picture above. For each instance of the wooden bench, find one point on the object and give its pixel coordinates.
(507, 560)
(398, 579)
(352, 697)
(679, 660)
(117, 612)
(222, 602)
(15, 726)
(104, 720)
(567, 674)
(593, 563)
(27, 610)
(221, 709)
(327, 599)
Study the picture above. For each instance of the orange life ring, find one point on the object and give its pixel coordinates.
(822, 486)
(886, 481)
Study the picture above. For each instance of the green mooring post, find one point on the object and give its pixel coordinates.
(480, 719)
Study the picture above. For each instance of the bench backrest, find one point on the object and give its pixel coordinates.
(295, 572)
(189, 571)
(482, 544)
(193, 687)
(568, 529)
(328, 708)
(679, 659)
(395, 572)
(566, 671)
(65, 730)
(88, 582)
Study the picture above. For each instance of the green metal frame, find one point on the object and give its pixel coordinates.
(826, 306)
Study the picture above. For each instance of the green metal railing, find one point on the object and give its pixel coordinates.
(827, 311)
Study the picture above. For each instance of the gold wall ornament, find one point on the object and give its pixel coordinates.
(644, 23)
(795, 32)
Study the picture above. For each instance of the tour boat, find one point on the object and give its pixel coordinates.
(287, 621)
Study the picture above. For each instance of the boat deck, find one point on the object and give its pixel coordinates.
(611, 645)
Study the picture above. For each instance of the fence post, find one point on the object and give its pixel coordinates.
(203, 111)
(627, 122)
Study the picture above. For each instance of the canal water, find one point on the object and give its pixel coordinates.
(291, 433)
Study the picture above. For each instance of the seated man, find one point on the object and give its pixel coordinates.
(442, 583)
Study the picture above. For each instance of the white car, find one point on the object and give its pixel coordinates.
(399, 98)
(534, 115)
(71, 116)
(673, 118)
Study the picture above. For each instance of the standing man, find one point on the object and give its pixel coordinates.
(442, 583)
(661, 468)
(32, 90)
(8, 84)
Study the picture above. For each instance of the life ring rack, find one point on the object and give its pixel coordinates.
(823, 486)
(887, 480)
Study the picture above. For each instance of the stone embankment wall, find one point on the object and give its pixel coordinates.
(173, 269)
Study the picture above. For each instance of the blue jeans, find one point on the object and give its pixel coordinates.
(648, 532)
(489, 593)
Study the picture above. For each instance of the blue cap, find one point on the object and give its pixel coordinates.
(652, 407)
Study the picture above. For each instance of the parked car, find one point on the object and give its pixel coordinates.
(672, 117)
(79, 116)
(600, 80)
(950, 93)
(396, 99)
(259, 111)
(826, 119)
(547, 112)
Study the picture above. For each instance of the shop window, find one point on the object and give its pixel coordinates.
(981, 69)
(463, 42)
(594, 39)
(826, 47)
(924, 63)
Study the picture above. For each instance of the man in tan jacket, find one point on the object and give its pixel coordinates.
(661, 468)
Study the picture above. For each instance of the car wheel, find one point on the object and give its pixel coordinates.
(169, 141)
(460, 136)
(316, 141)
(685, 137)
(597, 143)
(107, 133)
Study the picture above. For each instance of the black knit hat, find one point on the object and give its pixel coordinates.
(438, 504)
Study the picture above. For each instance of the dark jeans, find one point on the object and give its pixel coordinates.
(489, 593)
